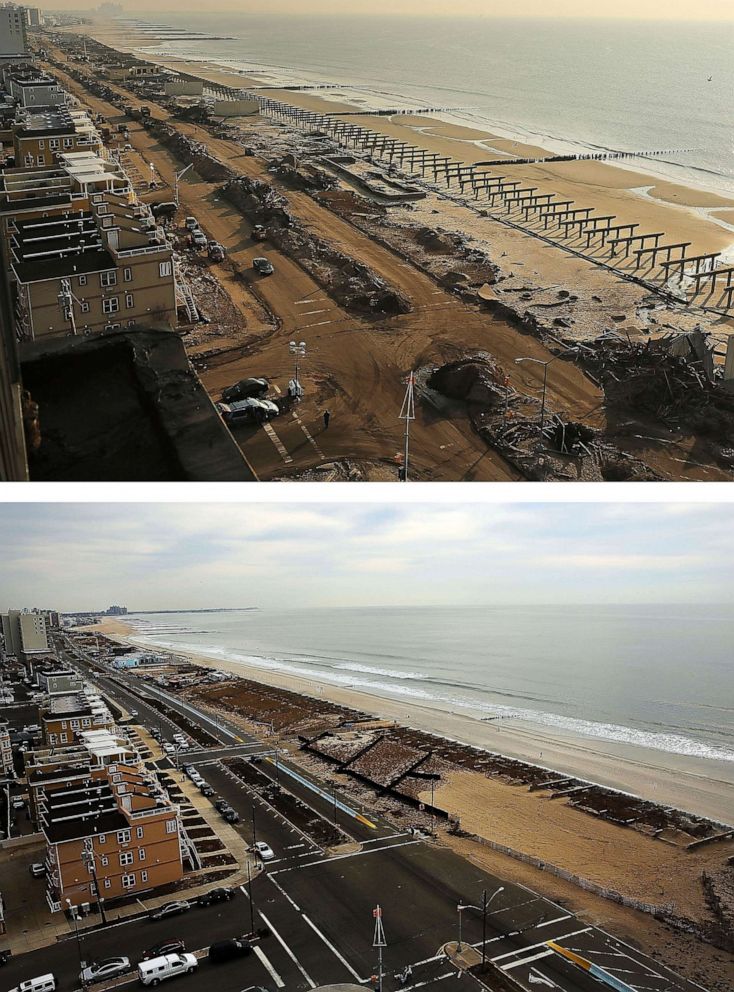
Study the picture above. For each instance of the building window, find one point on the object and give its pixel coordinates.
(68, 142)
(53, 144)
(108, 221)
(105, 861)
(110, 306)
(143, 876)
(64, 738)
(52, 738)
(127, 274)
(128, 881)
(164, 269)
(82, 280)
(74, 724)
(41, 160)
(141, 854)
(84, 307)
(129, 301)
(63, 724)
(139, 832)
(170, 826)
(123, 836)
(108, 883)
(102, 839)
(86, 721)
(108, 279)
(126, 858)
(41, 143)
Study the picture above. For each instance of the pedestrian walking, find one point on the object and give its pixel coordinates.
(327, 418)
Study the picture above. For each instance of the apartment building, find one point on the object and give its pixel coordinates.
(30, 87)
(70, 765)
(65, 718)
(96, 270)
(13, 40)
(6, 752)
(59, 682)
(13, 457)
(42, 136)
(108, 835)
(25, 633)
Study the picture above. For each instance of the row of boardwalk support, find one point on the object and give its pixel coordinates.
(623, 240)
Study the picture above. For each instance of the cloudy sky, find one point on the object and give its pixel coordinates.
(637, 9)
(152, 556)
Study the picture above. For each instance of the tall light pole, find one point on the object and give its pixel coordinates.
(407, 413)
(538, 361)
(298, 350)
(485, 905)
(72, 910)
(177, 177)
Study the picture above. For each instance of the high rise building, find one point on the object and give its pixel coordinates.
(13, 41)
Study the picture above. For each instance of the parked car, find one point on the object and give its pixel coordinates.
(259, 233)
(244, 389)
(168, 747)
(109, 968)
(221, 805)
(172, 946)
(206, 790)
(215, 251)
(231, 816)
(228, 950)
(168, 966)
(38, 869)
(191, 223)
(263, 266)
(220, 894)
(170, 909)
(263, 850)
(198, 239)
(249, 411)
(18, 803)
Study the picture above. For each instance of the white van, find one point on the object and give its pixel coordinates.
(168, 966)
(44, 983)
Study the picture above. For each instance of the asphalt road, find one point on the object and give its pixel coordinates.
(319, 909)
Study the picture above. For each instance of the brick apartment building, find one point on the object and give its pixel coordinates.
(65, 718)
(102, 817)
(41, 136)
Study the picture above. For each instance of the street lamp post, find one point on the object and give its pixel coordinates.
(485, 905)
(72, 910)
(177, 176)
(298, 350)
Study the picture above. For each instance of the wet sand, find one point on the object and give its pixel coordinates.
(699, 786)
(631, 196)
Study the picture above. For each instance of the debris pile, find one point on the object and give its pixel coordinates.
(670, 378)
(353, 284)
(476, 380)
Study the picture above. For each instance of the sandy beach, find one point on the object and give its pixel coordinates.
(696, 785)
(632, 195)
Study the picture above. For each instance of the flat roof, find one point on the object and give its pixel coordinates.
(81, 263)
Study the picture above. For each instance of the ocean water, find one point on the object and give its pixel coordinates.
(658, 677)
(569, 85)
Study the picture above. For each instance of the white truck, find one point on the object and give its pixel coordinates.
(167, 966)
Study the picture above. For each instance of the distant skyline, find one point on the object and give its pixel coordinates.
(156, 556)
(680, 10)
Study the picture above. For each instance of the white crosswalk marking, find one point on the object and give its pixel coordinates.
(280, 447)
(268, 966)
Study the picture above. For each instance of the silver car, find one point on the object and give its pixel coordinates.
(109, 968)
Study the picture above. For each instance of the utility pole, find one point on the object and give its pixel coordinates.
(254, 838)
(379, 942)
(484, 927)
(407, 413)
